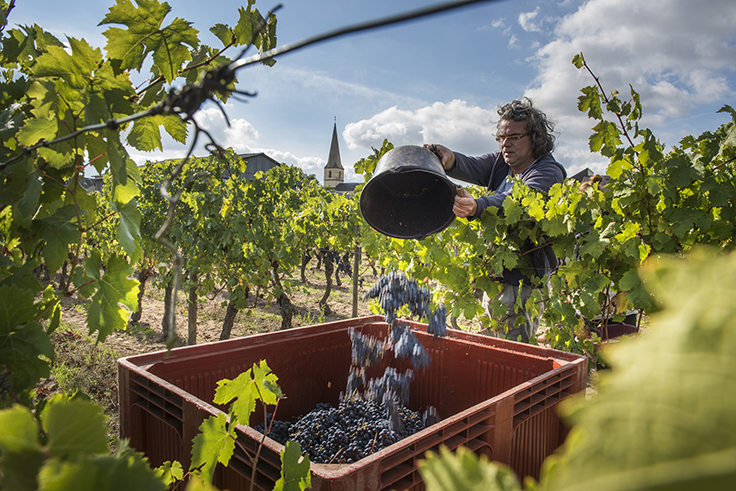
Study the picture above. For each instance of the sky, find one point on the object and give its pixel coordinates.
(440, 79)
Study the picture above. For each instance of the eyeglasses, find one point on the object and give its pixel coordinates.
(513, 138)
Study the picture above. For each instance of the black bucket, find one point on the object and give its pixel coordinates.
(409, 196)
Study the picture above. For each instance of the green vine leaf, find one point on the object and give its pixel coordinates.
(295, 469)
(20, 351)
(663, 417)
(75, 428)
(196, 483)
(28, 204)
(257, 383)
(145, 134)
(105, 315)
(124, 470)
(169, 472)
(578, 60)
(37, 129)
(465, 471)
(20, 432)
(22, 455)
(129, 233)
(214, 443)
(14, 307)
(223, 33)
(75, 68)
(175, 127)
(145, 35)
(590, 101)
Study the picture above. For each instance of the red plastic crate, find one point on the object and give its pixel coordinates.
(493, 396)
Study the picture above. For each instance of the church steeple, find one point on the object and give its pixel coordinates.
(334, 172)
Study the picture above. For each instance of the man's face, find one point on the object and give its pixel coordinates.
(518, 153)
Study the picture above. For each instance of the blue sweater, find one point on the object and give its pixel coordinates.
(490, 170)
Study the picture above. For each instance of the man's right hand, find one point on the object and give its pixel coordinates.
(446, 156)
(465, 205)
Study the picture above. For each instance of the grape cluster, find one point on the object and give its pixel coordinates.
(348, 433)
(343, 265)
(279, 430)
(342, 262)
(395, 290)
(366, 350)
(406, 345)
(438, 322)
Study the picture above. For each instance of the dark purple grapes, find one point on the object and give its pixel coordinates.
(366, 350)
(348, 433)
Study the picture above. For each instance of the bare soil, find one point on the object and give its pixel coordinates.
(147, 335)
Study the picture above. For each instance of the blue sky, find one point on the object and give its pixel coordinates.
(440, 79)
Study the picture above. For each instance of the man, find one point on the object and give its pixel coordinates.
(525, 136)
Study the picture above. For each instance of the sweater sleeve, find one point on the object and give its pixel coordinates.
(488, 170)
(474, 170)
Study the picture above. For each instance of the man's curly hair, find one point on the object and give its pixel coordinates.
(540, 128)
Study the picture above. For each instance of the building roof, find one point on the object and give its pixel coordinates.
(333, 161)
(586, 175)
(246, 156)
(345, 187)
(91, 184)
(583, 175)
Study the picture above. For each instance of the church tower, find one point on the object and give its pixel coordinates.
(334, 172)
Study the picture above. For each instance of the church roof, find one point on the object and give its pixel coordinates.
(333, 161)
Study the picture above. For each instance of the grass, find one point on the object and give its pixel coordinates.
(83, 366)
(251, 321)
(141, 328)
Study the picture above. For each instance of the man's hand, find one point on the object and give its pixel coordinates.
(446, 156)
(465, 205)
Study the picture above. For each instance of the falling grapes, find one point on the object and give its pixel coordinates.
(375, 417)
(437, 322)
(394, 291)
(366, 350)
(407, 346)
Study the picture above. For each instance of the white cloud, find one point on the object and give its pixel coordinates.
(677, 54)
(241, 136)
(527, 20)
(457, 125)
